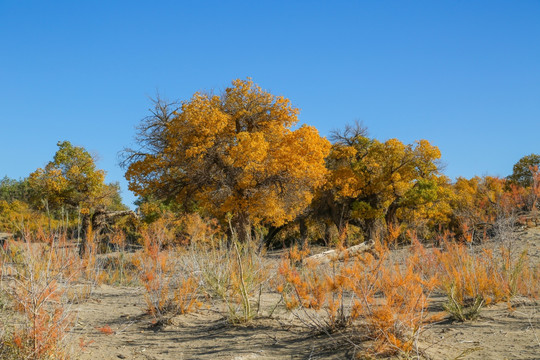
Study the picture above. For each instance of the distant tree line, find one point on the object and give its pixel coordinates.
(240, 161)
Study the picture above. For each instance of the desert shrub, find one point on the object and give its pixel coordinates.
(113, 268)
(41, 282)
(187, 296)
(196, 229)
(468, 280)
(528, 283)
(375, 297)
(162, 232)
(4, 300)
(169, 290)
(313, 291)
(90, 265)
(472, 278)
(234, 273)
(19, 218)
(395, 309)
(155, 269)
(117, 268)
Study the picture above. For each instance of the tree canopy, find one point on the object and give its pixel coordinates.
(72, 180)
(235, 154)
(370, 180)
(522, 173)
(11, 190)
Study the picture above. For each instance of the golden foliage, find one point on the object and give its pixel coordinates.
(376, 183)
(370, 293)
(473, 278)
(71, 179)
(234, 153)
(18, 218)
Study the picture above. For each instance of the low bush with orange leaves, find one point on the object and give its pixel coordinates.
(177, 281)
(380, 300)
(42, 275)
(386, 301)
(472, 278)
(161, 276)
(113, 268)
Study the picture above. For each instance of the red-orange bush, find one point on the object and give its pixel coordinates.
(43, 276)
(375, 296)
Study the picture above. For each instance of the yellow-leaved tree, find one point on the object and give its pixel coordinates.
(370, 182)
(71, 180)
(236, 155)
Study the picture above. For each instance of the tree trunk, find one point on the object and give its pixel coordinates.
(373, 228)
(391, 214)
(242, 228)
(4, 237)
(303, 230)
(272, 232)
(327, 233)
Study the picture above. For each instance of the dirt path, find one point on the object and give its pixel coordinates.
(204, 335)
(497, 334)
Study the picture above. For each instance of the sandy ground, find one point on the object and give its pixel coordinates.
(503, 331)
(201, 335)
(499, 332)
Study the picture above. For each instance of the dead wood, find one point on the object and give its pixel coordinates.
(331, 255)
(99, 221)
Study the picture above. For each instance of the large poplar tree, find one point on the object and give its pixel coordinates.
(235, 154)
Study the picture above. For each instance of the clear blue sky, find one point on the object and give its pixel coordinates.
(463, 74)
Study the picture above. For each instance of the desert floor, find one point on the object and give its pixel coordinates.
(501, 331)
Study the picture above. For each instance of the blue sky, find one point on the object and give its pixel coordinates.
(464, 75)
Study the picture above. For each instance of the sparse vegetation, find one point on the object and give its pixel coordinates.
(211, 204)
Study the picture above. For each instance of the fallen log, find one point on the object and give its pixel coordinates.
(333, 255)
